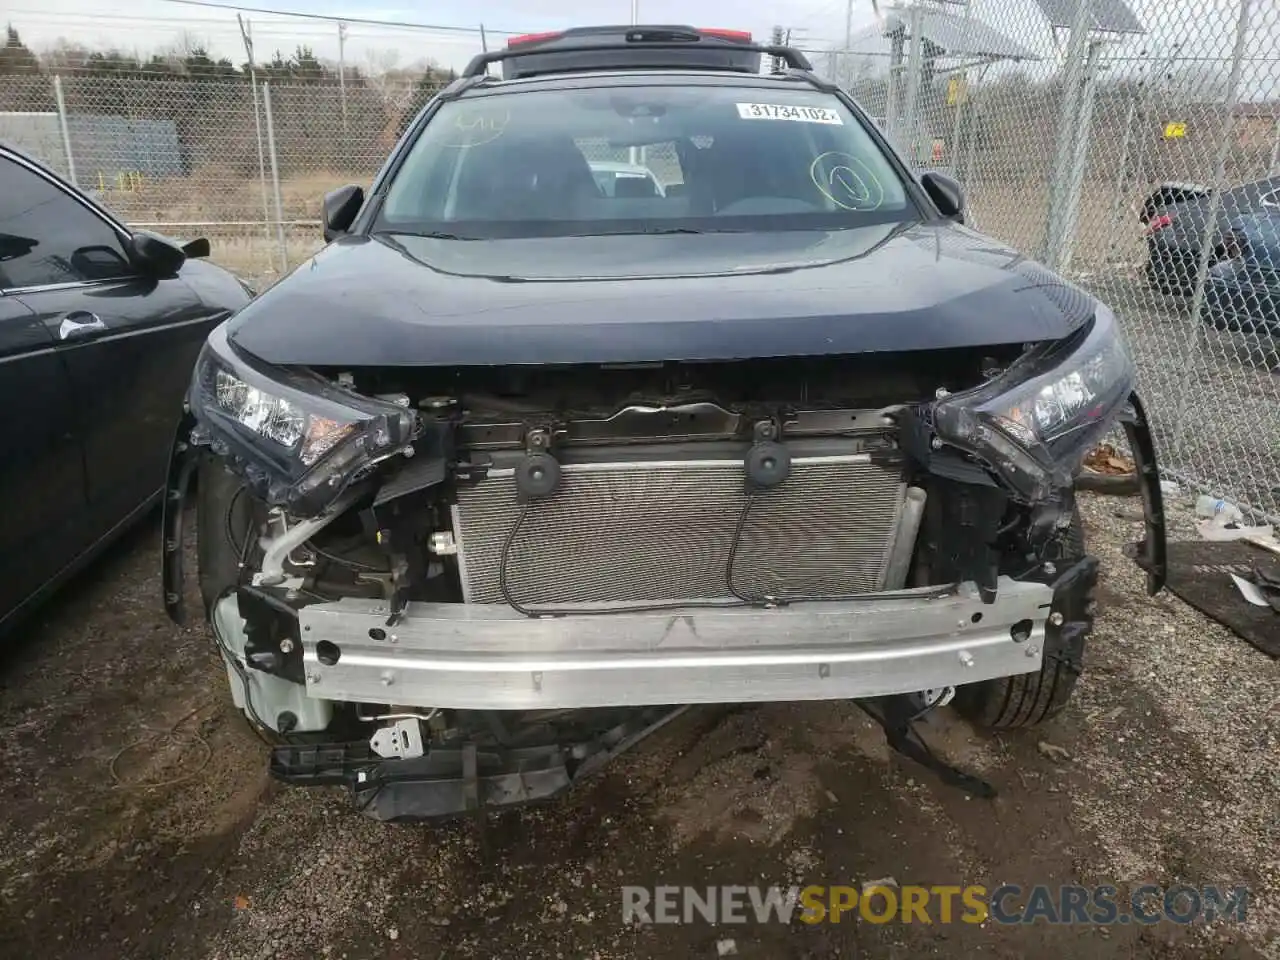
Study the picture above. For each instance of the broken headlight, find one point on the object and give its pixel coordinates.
(1034, 423)
(296, 439)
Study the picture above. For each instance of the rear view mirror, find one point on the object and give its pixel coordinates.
(155, 254)
(340, 209)
(945, 193)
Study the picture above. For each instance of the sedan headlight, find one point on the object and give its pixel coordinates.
(1035, 422)
(296, 439)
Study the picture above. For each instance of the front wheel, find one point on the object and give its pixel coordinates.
(1027, 699)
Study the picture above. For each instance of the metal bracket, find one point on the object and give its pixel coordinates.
(275, 550)
(402, 740)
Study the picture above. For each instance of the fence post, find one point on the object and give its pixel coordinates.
(1071, 81)
(262, 162)
(1225, 130)
(1117, 203)
(893, 88)
(275, 177)
(974, 125)
(66, 130)
(1273, 165)
(915, 64)
(962, 94)
(1079, 158)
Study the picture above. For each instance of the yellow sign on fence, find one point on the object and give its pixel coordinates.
(1175, 130)
(957, 90)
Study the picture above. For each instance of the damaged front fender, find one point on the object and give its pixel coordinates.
(1150, 553)
(182, 466)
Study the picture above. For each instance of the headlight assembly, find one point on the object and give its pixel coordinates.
(296, 439)
(1035, 422)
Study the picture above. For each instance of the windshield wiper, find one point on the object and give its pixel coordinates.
(657, 231)
(430, 234)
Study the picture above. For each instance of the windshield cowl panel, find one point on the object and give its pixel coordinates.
(642, 159)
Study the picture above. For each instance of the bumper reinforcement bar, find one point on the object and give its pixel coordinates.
(489, 657)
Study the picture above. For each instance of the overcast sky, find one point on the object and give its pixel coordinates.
(1200, 31)
(146, 25)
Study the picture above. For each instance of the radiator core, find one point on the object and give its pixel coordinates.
(663, 531)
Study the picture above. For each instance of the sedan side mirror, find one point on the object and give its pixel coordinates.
(156, 255)
(340, 209)
(945, 193)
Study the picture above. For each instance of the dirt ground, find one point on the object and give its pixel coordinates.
(139, 821)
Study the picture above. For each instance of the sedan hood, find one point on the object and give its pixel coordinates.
(398, 300)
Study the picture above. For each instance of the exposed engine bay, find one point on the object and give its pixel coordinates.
(659, 452)
(555, 544)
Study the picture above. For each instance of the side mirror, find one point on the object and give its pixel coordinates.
(155, 254)
(340, 209)
(99, 263)
(945, 193)
(197, 248)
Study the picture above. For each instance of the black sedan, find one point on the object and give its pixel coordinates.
(1176, 216)
(99, 329)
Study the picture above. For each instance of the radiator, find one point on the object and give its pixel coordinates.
(663, 531)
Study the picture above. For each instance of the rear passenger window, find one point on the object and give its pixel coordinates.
(48, 237)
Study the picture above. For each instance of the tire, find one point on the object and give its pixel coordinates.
(1028, 699)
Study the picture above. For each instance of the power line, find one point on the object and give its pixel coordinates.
(233, 8)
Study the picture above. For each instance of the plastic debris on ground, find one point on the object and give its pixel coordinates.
(1223, 520)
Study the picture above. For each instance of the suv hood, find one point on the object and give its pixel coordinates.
(397, 300)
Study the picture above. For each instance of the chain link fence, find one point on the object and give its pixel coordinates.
(1135, 150)
(245, 164)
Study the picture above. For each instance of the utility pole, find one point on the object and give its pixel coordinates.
(635, 12)
(342, 72)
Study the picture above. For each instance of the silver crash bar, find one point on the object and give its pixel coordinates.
(488, 656)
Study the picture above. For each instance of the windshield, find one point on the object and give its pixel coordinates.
(641, 159)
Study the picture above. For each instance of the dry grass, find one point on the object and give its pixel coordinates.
(1107, 227)
(218, 194)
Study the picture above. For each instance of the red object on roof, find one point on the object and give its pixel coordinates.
(534, 37)
(742, 35)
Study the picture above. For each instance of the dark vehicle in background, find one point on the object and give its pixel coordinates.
(514, 470)
(1242, 293)
(99, 328)
(1176, 215)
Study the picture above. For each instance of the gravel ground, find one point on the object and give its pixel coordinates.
(140, 822)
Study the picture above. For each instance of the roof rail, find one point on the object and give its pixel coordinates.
(479, 64)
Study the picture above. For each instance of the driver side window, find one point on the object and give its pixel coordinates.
(47, 237)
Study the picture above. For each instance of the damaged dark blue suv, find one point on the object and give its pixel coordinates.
(518, 467)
